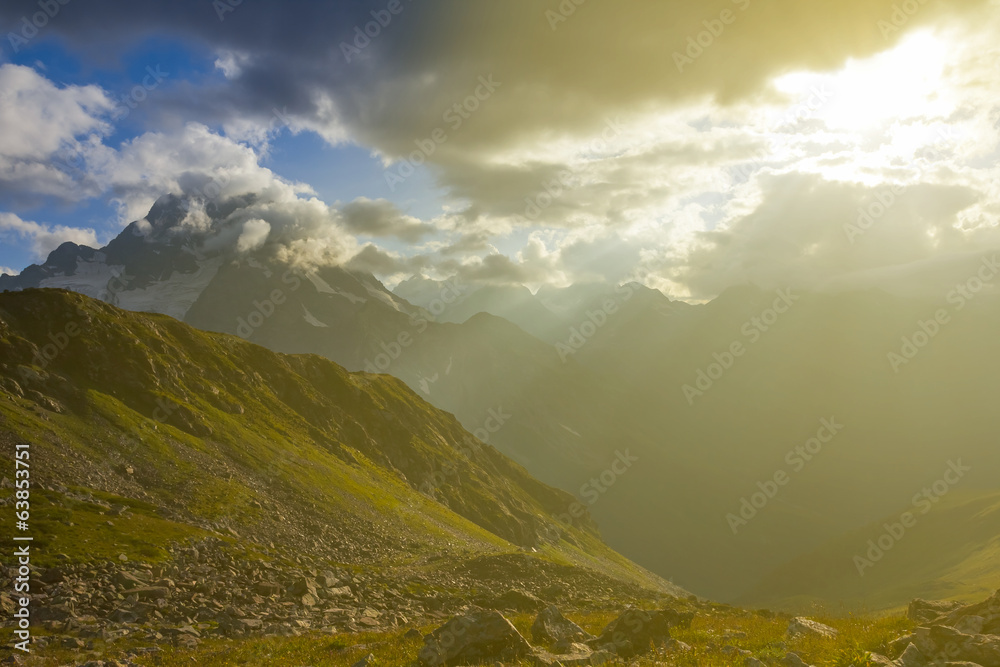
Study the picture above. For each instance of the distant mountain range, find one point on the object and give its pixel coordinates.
(762, 425)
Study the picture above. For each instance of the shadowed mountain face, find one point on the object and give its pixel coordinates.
(476, 371)
(213, 434)
(711, 443)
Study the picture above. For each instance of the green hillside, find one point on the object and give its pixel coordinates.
(950, 553)
(144, 432)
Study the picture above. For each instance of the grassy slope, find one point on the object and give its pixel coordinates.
(951, 553)
(711, 631)
(283, 449)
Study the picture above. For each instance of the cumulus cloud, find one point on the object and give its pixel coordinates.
(191, 161)
(392, 265)
(808, 231)
(44, 238)
(381, 218)
(571, 70)
(586, 153)
(253, 236)
(45, 125)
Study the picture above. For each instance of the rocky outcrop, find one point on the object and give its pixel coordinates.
(551, 627)
(635, 632)
(476, 636)
(952, 634)
(481, 636)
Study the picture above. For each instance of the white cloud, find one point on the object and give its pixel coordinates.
(45, 238)
(253, 236)
(42, 124)
(193, 160)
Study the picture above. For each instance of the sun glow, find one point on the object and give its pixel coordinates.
(900, 85)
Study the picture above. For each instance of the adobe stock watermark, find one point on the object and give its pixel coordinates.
(436, 650)
(753, 329)
(887, 197)
(264, 309)
(948, 654)
(73, 161)
(495, 420)
(455, 116)
(818, 97)
(923, 502)
(901, 15)
(928, 329)
(580, 334)
(565, 179)
(698, 43)
(29, 28)
(393, 350)
(363, 35)
(592, 490)
(139, 92)
(797, 458)
(48, 352)
(223, 7)
(566, 9)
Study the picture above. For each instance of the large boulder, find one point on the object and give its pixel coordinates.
(303, 586)
(475, 636)
(793, 660)
(635, 632)
(551, 626)
(911, 657)
(807, 627)
(944, 644)
(988, 610)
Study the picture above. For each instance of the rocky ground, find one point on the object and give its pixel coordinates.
(212, 593)
(213, 588)
(949, 634)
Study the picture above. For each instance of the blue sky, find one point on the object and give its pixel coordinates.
(542, 150)
(336, 173)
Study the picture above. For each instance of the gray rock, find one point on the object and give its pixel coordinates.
(148, 592)
(943, 643)
(303, 586)
(912, 657)
(971, 625)
(517, 600)
(635, 632)
(551, 626)
(810, 628)
(579, 656)
(793, 660)
(342, 592)
(476, 636)
(926, 611)
(366, 661)
(267, 589)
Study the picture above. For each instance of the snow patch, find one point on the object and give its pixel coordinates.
(173, 296)
(311, 319)
(324, 287)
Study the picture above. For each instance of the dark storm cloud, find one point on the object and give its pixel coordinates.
(556, 74)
